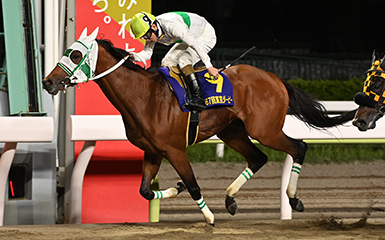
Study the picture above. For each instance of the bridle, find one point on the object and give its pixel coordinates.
(374, 71)
(371, 98)
(85, 69)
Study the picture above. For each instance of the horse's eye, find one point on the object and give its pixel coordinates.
(76, 56)
(376, 84)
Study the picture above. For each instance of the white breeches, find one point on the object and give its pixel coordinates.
(184, 55)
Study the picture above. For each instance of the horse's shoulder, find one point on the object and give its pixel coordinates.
(155, 74)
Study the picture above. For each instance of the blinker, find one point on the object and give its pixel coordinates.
(368, 97)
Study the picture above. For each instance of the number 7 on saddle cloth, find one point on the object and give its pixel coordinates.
(217, 92)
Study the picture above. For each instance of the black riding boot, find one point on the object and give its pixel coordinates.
(197, 101)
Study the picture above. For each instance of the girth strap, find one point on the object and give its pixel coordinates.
(193, 128)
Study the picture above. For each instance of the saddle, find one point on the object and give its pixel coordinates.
(216, 93)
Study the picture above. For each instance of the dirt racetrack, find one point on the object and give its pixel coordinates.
(342, 201)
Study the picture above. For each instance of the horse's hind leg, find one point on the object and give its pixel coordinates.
(297, 149)
(151, 166)
(236, 137)
(298, 158)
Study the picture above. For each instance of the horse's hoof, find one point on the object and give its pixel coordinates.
(296, 204)
(180, 187)
(212, 224)
(231, 205)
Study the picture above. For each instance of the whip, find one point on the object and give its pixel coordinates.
(231, 63)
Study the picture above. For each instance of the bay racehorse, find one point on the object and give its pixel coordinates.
(155, 123)
(371, 100)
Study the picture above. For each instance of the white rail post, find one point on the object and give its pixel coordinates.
(79, 170)
(220, 149)
(286, 212)
(5, 164)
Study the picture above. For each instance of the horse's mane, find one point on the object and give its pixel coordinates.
(117, 53)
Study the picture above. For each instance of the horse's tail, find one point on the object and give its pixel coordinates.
(312, 112)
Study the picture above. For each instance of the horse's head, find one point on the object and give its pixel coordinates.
(372, 98)
(77, 64)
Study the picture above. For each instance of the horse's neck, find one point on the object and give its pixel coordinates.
(134, 93)
(123, 83)
(125, 88)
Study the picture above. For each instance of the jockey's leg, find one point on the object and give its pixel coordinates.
(197, 101)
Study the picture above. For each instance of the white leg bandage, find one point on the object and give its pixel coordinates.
(209, 216)
(292, 187)
(168, 193)
(238, 183)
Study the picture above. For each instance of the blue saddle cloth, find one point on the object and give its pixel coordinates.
(217, 92)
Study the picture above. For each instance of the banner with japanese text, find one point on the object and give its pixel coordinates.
(113, 177)
(112, 17)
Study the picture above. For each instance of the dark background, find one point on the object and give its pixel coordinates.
(322, 27)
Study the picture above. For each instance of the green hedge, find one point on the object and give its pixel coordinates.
(316, 153)
(332, 90)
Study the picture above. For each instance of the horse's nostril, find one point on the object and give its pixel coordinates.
(48, 82)
(382, 110)
(359, 123)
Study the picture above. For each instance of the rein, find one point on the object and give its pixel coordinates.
(74, 80)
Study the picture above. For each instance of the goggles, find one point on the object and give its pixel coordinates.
(148, 34)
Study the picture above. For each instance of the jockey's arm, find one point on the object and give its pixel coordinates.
(186, 36)
(145, 54)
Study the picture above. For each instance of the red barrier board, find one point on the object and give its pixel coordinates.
(112, 181)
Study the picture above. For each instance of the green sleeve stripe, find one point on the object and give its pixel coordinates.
(186, 18)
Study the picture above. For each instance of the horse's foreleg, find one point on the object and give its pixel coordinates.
(297, 149)
(231, 204)
(236, 137)
(170, 192)
(151, 166)
(181, 165)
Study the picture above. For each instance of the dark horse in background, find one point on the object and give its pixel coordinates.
(155, 123)
(371, 100)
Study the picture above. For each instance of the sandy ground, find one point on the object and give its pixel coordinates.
(342, 201)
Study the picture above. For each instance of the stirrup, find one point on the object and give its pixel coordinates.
(193, 105)
(195, 95)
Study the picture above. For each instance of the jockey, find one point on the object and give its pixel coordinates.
(193, 36)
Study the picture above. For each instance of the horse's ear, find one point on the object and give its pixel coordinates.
(383, 58)
(374, 56)
(93, 35)
(84, 33)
